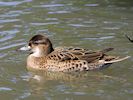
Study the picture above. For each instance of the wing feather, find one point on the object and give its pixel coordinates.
(77, 54)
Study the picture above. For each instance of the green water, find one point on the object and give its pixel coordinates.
(92, 24)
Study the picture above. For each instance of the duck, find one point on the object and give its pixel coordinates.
(66, 59)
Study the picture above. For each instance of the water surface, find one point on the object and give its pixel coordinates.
(84, 23)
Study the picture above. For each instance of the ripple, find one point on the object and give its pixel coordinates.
(5, 89)
(80, 93)
(59, 12)
(39, 24)
(106, 37)
(8, 37)
(13, 3)
(8, 34)
(76, 93)
(50, 5)
(77, 25)
(9, 20)
(3, 55)
(90, 38)
(111, 28)
(11, 46)
(89, 22)
(9, 3)
(92, 5)
(99, 38)
(49, 19)
(12, 13)
(81, 25)
(25, 95)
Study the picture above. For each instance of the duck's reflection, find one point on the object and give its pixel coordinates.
(42, 82)
(43, 76)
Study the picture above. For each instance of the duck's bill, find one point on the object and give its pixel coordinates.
(24, 48)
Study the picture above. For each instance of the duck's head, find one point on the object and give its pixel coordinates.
(40, 46)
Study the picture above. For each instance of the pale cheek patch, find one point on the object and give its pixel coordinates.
(36, 52)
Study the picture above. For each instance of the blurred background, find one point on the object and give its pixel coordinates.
(92, 24)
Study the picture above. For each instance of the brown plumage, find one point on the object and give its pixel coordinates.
(44, 57)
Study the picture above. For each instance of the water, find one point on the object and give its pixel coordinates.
(84, 23)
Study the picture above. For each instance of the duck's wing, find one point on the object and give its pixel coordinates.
(77, 54)
(90, 55)
(62, 55)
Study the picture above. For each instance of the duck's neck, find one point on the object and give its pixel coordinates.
(49, 50)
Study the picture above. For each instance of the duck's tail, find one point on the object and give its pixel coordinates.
(116, 60)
